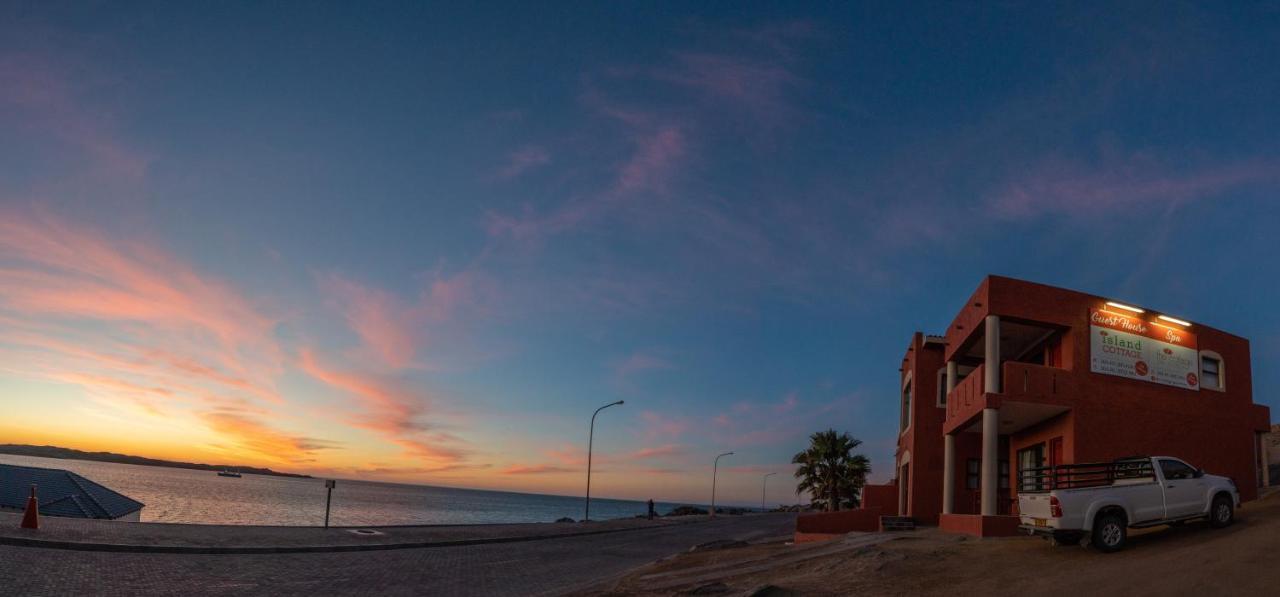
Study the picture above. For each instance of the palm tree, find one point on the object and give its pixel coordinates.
(829, 470)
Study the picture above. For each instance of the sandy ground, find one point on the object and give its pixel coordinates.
(1243, 559)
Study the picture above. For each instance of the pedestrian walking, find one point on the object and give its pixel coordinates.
(651, 509)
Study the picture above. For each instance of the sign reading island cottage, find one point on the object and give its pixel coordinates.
(1130, 347)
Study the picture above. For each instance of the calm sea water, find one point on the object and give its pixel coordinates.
(187, 496)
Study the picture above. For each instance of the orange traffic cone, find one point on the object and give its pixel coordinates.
(31, 518)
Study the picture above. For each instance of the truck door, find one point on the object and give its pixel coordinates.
(1183, 493)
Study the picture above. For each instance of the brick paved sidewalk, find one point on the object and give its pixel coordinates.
(190, 538)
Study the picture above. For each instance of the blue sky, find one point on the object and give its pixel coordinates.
(422, 243)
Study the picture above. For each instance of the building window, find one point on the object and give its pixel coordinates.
(906, 406)
(1030, 458)
(942, 387)
(1212, 375)
(973, 474)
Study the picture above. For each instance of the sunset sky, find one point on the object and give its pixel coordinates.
(422, 243)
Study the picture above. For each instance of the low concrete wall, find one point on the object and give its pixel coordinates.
(979, 526)
(846, 521)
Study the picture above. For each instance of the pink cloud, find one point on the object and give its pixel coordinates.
(45, 95)
(658, 426)
(524, 160)
(638, 362)
(569, 455)
(759, 87)
(656, 157)
(788, 404)
(138, 328)
(56, 272)
(657, 452)
(537, 469)
(393, 330)
(395, 412)
(1059, 185)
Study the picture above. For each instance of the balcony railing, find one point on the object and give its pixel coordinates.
(1023, 380)
(1026, 379)
(967, 392)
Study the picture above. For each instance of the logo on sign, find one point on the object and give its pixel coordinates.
(1192, 380)
(1140, 368)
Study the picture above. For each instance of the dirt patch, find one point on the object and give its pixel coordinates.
(1243, 559)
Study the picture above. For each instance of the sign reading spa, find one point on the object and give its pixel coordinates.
(1130, 347)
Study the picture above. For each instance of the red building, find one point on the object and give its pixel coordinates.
(1031, 375)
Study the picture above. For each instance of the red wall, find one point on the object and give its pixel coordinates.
(923, 438)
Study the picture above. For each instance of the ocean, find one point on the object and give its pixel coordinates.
(202, 497)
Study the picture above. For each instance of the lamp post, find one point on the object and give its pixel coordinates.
(714, 466)
(591, 436)
(764, 485)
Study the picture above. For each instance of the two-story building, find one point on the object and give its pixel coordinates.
(1030, 375)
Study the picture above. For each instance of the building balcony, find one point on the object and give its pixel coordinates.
(1030, 394)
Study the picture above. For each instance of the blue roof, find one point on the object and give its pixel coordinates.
(62, 493)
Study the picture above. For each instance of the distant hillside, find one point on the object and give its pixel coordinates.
(68, 453)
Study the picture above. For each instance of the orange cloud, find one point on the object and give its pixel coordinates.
(390, 410)
(540, 469)
(263, 440)
(136, 327)
(657, 452)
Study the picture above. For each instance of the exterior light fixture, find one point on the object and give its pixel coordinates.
(1174, 320)
(1125, 307)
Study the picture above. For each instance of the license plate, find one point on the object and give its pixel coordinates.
(1040, 522)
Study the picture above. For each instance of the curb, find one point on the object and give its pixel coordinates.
(192, 549)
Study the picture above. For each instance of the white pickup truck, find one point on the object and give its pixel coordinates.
(1098, 502)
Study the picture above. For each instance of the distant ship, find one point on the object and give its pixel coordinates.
(233, 474)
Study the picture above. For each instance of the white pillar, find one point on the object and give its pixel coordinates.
(948, 473)
(990, 445)
(953, 375)
(992, 378)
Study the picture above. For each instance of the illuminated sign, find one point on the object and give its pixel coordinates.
(1127, 346)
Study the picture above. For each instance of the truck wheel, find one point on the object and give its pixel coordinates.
(1221, 514)
(1109, 533)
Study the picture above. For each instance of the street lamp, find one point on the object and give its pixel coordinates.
(590, 440)
(764, 485)
(715, 465)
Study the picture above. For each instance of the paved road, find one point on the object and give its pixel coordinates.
(532, 568)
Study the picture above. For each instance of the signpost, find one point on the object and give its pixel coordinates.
(1130, 347)
(328, 485)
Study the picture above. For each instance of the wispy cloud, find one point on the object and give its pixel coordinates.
(657, 426)
(538, 469)
(139, 329)
(1064, 186)
(393, 330)
(523, 160)
(392, 409)
(638, 362)
(251, 434)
